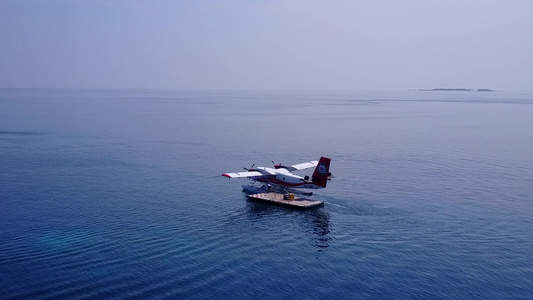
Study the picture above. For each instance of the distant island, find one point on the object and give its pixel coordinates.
(450, 90)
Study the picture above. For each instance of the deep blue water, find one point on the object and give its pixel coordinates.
(118, 194)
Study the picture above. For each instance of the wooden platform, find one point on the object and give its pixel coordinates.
(281, 199)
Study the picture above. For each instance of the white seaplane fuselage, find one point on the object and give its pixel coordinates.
(283, 177)
(278, 180)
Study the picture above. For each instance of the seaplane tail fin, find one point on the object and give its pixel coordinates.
(321, 174)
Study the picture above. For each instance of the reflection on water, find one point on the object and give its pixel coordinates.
(313, 220)
(319, 218)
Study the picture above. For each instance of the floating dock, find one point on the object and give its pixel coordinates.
(286, 199)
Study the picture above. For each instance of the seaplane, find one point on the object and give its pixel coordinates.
(280, 178)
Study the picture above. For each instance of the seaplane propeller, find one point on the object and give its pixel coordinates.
(280, 165)
(251, 168)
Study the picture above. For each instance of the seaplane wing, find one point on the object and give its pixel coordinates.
(260, 171)
(242, 174)
(303, 166)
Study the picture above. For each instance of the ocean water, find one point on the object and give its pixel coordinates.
(117, 194)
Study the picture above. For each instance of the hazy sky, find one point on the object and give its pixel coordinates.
(268, 44)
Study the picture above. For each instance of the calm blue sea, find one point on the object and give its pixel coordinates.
(116, 194)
